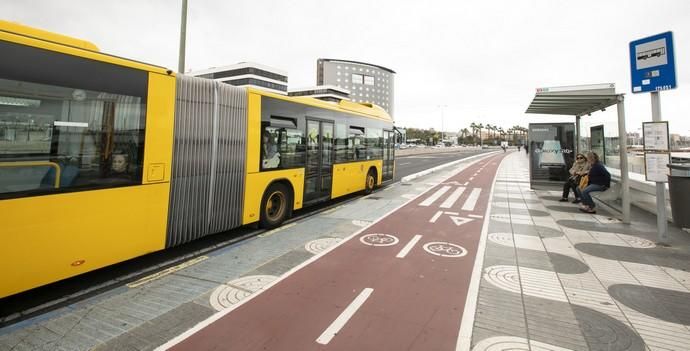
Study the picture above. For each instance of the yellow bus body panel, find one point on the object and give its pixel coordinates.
(351, 177)
(253, 133)
(53, 237)
(160, 112)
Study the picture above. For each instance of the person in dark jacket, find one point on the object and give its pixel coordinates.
(599, 180)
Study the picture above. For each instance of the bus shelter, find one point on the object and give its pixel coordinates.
(583, 100)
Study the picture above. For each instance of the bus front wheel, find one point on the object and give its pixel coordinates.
(276, 206)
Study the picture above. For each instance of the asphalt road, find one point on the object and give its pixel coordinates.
(406, 165)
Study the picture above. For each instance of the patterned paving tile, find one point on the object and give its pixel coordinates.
(667, 305)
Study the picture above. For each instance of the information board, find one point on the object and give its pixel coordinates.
(655, 136)
(655, 166)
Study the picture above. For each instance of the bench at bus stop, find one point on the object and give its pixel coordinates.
(642, 194)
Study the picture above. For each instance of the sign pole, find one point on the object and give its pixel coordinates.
(661, 222)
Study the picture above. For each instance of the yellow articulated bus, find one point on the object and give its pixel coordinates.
(103, 159)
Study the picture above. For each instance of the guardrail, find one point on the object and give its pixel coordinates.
(36, 164)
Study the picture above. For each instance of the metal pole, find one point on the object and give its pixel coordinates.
(183, 36)
(442, 138)
(622, 144)
(577, 134)
(661, 222)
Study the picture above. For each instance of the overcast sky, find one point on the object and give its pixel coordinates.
(481, 59)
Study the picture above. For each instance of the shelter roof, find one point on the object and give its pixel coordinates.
(576, 100)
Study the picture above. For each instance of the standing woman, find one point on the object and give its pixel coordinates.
(580, 167)
(599, 180)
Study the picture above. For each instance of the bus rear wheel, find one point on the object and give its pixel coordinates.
(370, 182)
(276, 206)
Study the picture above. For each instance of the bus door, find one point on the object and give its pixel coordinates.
(319, 171)
(388, 155)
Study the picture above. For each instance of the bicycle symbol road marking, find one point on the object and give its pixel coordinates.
(445, 249)
(379, 240)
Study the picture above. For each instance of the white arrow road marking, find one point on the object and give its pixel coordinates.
(472, 200)
(450, 201)
(345, 316)
(460, 220)
(408, 247)
(430, 200)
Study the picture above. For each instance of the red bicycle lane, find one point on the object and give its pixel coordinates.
(399, 284)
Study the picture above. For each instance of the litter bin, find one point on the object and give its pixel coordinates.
(679, 188)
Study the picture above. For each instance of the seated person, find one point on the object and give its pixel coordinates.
(579, 168)
(119, 165)
(270, 155)
(599, 180)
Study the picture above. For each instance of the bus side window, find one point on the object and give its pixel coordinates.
(282, 148)
(340, 144)
(357, 148)
(91, 139)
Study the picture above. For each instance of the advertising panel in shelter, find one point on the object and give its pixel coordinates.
(551, 152)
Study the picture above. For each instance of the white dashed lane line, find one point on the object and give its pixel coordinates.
(344, 317)
(408, 247)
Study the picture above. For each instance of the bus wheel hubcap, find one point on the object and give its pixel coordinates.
(275, 205)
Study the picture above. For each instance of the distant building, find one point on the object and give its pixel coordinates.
(450, 137)
(366, 82)
(248, 74)
(322, 92)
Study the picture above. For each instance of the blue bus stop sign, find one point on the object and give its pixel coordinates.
(652, 63)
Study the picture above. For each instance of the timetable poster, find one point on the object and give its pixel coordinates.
(655, 164)
(655, 136)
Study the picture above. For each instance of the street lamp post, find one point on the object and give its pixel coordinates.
(442, 136)
(183, 36)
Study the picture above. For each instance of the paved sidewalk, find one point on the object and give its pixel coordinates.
(558, 279)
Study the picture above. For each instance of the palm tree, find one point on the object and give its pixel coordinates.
(463, 134)
(480, 126)
(473, 126)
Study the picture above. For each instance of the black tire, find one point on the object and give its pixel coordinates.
(370, 181)
(276, 206)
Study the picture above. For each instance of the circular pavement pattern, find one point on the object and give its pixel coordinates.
(318, 245)
(535, 282)
(379, 240)
(514, 343)
(637, 242)
(505, 239)
(234, 291)
(504, 277)
(445, 249)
